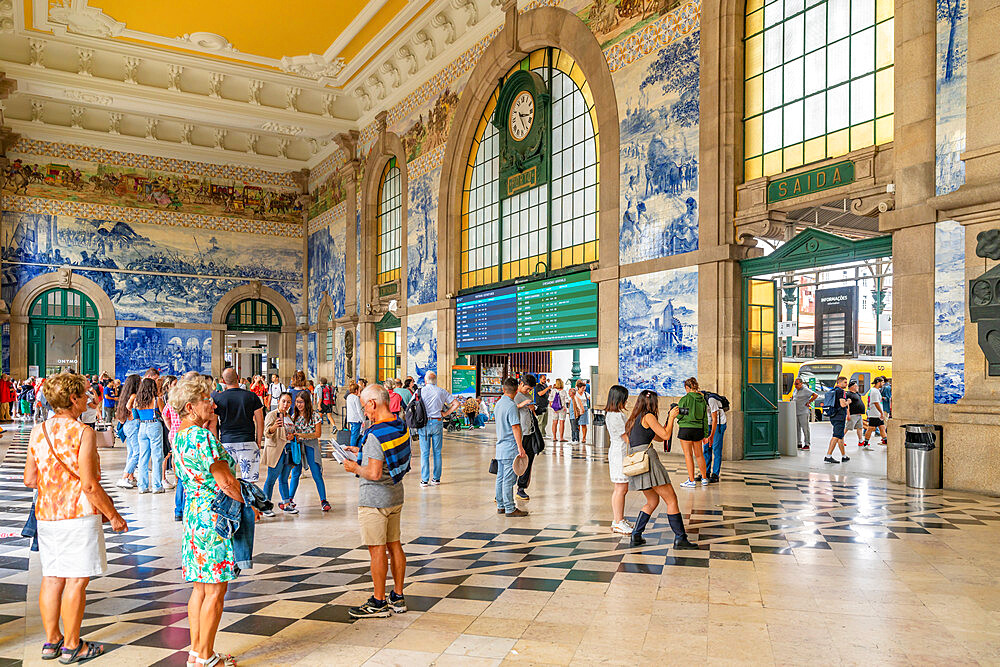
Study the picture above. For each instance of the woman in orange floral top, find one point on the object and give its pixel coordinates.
(63, 465)
(207, 560)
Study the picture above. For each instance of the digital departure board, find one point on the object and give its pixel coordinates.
(557, 312)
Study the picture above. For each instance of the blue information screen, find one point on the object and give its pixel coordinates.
(556, 312)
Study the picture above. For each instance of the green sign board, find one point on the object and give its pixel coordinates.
(463, 380)
(809, 182)
(387, 289)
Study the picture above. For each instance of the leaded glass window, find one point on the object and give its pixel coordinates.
(554, 225)
(390, 224)
(819, 81)
(253, 315)
(329, 338)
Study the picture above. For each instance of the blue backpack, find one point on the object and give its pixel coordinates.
(829, 398)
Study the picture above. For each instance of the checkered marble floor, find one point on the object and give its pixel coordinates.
(793, 568)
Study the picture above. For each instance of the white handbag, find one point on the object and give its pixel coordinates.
(636, 463)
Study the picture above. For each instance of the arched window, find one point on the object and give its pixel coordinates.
(390, 223)
(253, 315)
(819, 81)
(329, 338)
(549, 227)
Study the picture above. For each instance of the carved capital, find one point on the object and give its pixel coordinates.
(871, 206)
(381, 121)
(348, 142)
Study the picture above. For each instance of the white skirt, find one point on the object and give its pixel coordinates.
(72, 548)
(616, 463)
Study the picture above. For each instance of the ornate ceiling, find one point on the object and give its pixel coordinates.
(250, 81)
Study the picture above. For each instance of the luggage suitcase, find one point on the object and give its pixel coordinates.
(105, 436)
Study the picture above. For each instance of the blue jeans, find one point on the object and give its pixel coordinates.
(150, 452)
(713, 451)
(505, 485)
(430, 440)
(309, 455)
(131, 429)
(179, 499)
(355, 433)
(279, 474)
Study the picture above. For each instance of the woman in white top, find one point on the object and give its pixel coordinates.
(355, 415)
(559, 422)
(614, 421)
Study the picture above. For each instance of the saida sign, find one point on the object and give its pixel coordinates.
(808, 182)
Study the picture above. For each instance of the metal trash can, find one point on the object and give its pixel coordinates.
(786, 429)
(599, 429)
(923, 455)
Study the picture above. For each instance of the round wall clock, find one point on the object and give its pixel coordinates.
(522, 115)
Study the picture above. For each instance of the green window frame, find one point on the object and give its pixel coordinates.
(329, 339)
(553, 226)
(389, 255)
(62, 304)
(818, 81)
(253, 315)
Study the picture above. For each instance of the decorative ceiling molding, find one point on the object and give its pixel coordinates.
(209, 41)
(75, 16)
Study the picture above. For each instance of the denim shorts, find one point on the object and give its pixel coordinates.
(838, 427)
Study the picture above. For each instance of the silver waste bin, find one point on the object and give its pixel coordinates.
(599, 429)
(786, 429)
(923, 456)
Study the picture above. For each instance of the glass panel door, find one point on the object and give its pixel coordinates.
(760, 369)
(387, 355)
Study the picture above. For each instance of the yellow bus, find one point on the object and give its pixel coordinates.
(821, 375)
(789, 371)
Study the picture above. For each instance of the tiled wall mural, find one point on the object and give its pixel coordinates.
(312, 372)
(614, 21)
(129, 186)
(339, 358)
(421, 234)
(146, 269)
(949, 237)
(421, 344)
(658, 109)
(298, 353)
(172, 351)
(658, 331)
(327, 260)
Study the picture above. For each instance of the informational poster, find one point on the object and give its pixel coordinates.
(463, 381)
(836, 332)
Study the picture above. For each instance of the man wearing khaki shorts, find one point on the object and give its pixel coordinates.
(383, 459)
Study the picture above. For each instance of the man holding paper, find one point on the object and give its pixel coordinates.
(382, 461)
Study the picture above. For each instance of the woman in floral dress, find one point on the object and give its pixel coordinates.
(207, 560)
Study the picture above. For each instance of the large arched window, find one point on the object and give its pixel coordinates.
(549, 227)
(390, 223)
(253, 315)
(819, 81)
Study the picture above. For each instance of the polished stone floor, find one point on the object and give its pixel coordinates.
(796, 566)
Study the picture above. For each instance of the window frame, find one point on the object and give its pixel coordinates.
(393, 217)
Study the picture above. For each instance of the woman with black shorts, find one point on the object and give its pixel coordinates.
(643, 427)
(695, 427)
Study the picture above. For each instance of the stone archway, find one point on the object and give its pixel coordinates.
(284, 340)
(522, 34)
(66, 279)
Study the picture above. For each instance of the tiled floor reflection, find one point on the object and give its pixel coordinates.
(795, 567)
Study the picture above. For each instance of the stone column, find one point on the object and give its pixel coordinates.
(912, 223)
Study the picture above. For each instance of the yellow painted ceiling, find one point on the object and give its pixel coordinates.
(259, 27)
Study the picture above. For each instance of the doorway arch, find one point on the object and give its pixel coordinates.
(279, 326)
(99, 321)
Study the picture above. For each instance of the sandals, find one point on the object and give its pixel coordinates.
(50, 651)
(70, 656)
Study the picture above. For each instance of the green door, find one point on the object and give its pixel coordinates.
(36, 346)
(760, 369)
(60, 308)
(90, 349)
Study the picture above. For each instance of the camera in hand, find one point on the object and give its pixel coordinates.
(680, 411)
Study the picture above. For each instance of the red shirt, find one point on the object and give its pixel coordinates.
(6, 391)
(395, 402)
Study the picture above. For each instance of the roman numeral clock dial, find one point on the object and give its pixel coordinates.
(522, 115)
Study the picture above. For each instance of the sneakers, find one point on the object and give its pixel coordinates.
(805, 448)
(704, 481)
(830, 459)
(124, 484)
(424, 485)
(522, 494)
(435, 482)
(799, 446)
(501, 510)
(516, 514)
(622, 527)
(371, 609)
(287, 508)
(143, 490)
(714, 479)
(697, 477)
(845, 459)
(325, 505)
(169, 484)
(268, 513)
(689, 484)
(863, 443)
(159, 490)
(397, 602)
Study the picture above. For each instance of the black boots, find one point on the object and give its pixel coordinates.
(640, 525)
(680, 536)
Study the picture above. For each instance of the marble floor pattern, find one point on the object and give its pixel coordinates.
(795, 567)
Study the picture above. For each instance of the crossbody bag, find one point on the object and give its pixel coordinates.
(636, 463)
(45, 432)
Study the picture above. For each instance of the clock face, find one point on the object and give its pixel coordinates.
(522, 115)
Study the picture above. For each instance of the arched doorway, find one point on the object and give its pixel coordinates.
(249, 324)
(388, 356)
(62, 333)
